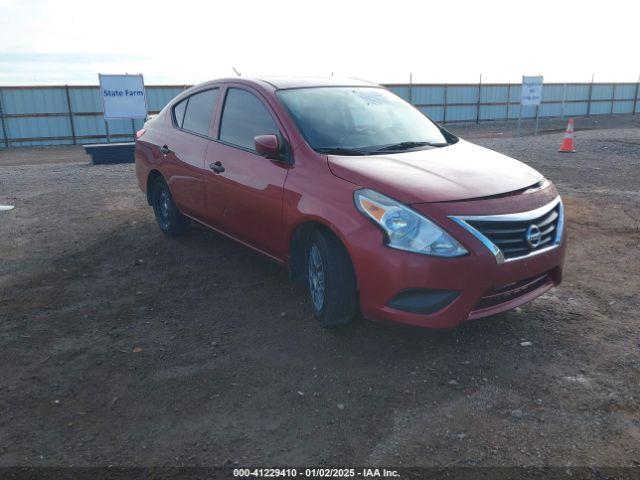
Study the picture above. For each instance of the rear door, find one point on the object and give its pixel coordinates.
(245, 200)
(184, 147)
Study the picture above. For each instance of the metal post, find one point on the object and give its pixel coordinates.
(73, 128)
(613, 98)
(133, 128)
(635, 99)
(478, 106)
(4, 126)
(508, 100)
(520, 109)
(589, 101)
(564, 96)
(444, 114)
(106, 127)
(535, 132)
(411, 88)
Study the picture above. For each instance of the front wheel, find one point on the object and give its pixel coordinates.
(332, 282)
(170, 220)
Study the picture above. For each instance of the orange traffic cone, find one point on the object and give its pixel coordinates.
(567, 142)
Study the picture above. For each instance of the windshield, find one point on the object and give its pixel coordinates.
(359, 120)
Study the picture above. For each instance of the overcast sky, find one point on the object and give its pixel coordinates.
(186, 42)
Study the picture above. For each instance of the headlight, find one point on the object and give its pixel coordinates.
(404, 228)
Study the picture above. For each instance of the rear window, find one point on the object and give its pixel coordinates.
(244, 118)
(197, 118)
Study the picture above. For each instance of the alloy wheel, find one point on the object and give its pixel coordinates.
(316, 277)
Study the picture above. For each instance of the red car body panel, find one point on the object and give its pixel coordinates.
(260, 203)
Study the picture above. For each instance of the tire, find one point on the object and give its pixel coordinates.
(331, 280)
(169, 218)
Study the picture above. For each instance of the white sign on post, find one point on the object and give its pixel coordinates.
(123, 96)
(531, 91)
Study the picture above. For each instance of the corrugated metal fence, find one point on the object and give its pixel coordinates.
(485, 102)
(58, 115)
(61, 115)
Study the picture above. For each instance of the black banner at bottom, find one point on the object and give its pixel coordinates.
(391, 473)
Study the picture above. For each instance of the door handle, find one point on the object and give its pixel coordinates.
(164, 150)
(216, 167)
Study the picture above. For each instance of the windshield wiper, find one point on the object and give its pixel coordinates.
(407, 145)
(341, 151)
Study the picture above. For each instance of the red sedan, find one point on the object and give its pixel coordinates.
(359, 194)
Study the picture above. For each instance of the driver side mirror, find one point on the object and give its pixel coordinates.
(268, 146)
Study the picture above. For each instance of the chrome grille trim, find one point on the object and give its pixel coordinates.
(517, 217)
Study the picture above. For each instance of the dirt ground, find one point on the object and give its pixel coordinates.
(120, 346)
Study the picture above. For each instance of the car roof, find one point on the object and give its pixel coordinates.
(305, 82)
(279, 83)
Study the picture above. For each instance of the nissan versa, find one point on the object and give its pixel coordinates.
(359, 194)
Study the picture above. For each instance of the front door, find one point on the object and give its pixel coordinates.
(245, 199)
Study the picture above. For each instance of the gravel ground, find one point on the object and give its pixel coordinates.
(119, 346)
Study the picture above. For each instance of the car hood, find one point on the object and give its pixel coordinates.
(457, 172)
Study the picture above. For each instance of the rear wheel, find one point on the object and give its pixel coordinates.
(332, 283)
(169, 218)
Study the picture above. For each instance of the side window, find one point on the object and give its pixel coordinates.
(243, 118)
(178, 112)
(199, 113)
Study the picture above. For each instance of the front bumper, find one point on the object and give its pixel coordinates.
(484, 285)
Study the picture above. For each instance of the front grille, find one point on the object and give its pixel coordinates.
(511, 236)
(520, 237)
